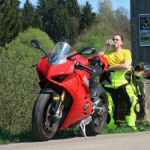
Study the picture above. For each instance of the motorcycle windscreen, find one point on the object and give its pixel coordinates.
(60, 52)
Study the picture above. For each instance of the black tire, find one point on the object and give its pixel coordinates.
(43, 125)
(98, 120)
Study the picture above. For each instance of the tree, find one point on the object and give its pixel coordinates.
(117, 19)
(62, 18)
(106, 13)
(87, 17)
(30, 17)
(75, 17)
(122, 24)
(73, 8)
(19, 80)
(59, 22)
(10, 24)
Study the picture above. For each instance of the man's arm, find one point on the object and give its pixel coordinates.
(101, 52)
(124, 66)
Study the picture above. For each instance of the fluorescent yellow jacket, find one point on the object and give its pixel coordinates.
(116, 58)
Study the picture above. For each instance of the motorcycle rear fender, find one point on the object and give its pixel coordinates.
(56, 98)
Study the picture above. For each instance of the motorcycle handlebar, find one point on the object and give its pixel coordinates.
(81, 66)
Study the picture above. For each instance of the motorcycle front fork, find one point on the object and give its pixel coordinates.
(57, 105)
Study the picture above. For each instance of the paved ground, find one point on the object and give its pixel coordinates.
(127, 141)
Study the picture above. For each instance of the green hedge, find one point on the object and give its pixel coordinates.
(95, 38)
(18, 81)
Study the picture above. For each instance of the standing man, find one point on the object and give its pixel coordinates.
(119, 62)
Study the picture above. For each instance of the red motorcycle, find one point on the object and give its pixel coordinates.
(69, 96)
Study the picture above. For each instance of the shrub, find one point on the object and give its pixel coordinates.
(19, 83)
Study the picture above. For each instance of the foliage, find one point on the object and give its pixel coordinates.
(10, 24)
(117, 19)
(106, 13)
(109, 22)
(87, 17)
(62, 19)
(29, 17)
(122, 24)
(7, 136)
(95, 38)
(19, 83)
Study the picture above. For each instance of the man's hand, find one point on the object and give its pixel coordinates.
(109, 42)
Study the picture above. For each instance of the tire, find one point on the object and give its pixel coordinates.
(98, 120)
(43, 125)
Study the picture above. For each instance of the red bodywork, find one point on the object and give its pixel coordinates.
(73, 82)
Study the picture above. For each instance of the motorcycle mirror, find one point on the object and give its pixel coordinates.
(36, 44)
(87, 51)
(84, 51)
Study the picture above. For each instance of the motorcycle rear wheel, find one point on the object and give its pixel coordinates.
(98, 120)
(44, 126)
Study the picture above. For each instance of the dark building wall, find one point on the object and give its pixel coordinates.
(139, 53)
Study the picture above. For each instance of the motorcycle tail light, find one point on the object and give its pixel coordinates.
(59, 78)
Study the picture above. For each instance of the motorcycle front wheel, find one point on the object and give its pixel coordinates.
(99, 117)
(44, 125)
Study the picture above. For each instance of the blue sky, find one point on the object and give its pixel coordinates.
(116, 3)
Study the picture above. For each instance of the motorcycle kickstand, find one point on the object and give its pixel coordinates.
(82, 126)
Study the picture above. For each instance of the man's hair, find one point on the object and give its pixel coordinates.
(120, 36)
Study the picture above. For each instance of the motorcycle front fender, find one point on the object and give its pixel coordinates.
(56, 99)
(48, 91)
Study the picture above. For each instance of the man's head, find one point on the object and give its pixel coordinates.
(118, 40)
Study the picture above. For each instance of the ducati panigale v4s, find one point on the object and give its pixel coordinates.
(69, 95)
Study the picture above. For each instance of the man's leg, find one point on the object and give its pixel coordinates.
(128, 95)
(111, 109)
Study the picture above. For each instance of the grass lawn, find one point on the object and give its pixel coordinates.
(7, 137)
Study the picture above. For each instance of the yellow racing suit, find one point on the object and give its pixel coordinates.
(120, 86)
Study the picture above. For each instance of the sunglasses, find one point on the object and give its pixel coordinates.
(115, 39)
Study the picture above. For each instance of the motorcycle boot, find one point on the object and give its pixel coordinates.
(131, 121)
